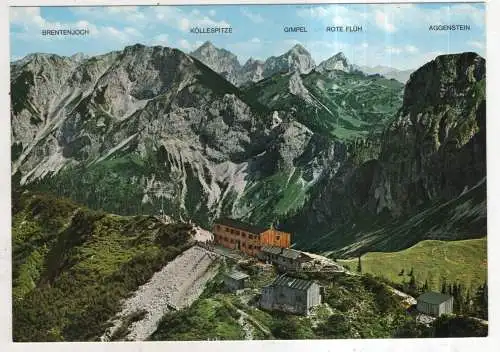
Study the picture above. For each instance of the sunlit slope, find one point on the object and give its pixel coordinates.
(456, 261)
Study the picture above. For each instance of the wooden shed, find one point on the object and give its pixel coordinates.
(235, 280)
(435, 304)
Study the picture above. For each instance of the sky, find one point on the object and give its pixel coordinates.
(394, 35)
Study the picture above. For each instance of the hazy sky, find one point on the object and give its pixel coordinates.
(394, 35)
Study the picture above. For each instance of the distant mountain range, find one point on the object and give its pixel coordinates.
(341, 158)
(400, 75)
(297, 59)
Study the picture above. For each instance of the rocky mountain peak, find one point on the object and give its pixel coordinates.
(207, 45)
(221, 61)
(340, 56)
(446, 79)
(296, 59)
(208, 49)
(299, 49)
(134, 48)
(336, 62)
(42, 58)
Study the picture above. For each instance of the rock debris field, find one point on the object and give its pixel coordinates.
(175, 286)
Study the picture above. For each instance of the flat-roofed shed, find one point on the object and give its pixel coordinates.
(435, 303)
(235, 280)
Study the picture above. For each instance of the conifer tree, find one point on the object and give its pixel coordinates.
(443, 285)
(359, 264)
(481, 301)
(412, 283)
(467, 309)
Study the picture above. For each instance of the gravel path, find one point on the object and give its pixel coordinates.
(202, 235)
(247, 318)
(325, 261)
(247, 328)
(175, 286)
(406, 297)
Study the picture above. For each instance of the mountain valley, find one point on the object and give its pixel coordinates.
(116, 159)
(304, 145)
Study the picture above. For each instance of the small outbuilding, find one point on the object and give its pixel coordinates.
(291, 295)
(235, 280)
(435, 304)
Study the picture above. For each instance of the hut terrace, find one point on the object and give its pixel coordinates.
(248, 238)
(291, 295)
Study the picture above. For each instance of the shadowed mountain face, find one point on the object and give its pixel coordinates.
(429, 180)
(147, 128)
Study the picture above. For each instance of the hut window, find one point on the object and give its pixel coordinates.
(277, 238)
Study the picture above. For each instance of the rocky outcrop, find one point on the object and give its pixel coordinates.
(252, 71)
(432, 161)
(436, 146)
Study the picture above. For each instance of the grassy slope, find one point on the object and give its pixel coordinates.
(72, 266)
(463, 261)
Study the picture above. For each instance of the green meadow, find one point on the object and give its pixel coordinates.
(461, 261)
